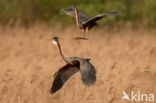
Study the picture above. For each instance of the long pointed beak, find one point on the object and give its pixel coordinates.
(54, 42)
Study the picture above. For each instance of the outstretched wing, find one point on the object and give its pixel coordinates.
(98, 17)
(62, 75)
(88, 73)
(71, 12)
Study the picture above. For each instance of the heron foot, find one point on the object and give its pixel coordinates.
(80, 38)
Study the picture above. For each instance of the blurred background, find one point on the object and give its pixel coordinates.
(133, 12)
(122, 49)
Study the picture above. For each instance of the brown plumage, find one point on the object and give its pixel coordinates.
(74, 64)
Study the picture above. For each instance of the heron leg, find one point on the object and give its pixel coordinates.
(83, 31)
(82, 37)
(87, 31)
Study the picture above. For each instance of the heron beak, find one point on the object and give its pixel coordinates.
(54, 42)
(89, 59)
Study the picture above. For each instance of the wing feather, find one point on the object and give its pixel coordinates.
(98, 17)
(88, 73)
(62, 75)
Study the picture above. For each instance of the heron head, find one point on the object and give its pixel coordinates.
(55, 40)
(70, 10)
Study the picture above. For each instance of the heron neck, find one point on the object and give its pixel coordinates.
(63, 57)
(77, 17)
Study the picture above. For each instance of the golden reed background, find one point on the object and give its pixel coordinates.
(124, 60)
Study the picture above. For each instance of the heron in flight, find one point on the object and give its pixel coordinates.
(73, 65)
(84, 22)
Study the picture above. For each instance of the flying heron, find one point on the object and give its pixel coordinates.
(73, 65)
(84, 22)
